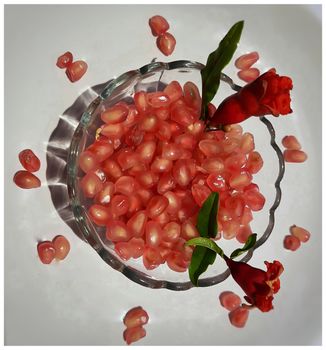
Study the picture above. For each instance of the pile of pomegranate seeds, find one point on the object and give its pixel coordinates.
(165, 41)
(293, 152)
(152, 167)
(74, 70)
(238, 314)
(57, 249)
(134, 321)
(24, 178)
(244, 63)
(298, 235)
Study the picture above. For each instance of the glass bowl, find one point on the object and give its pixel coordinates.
(154, 77)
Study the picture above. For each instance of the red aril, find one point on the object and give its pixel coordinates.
(291, 242)
(239, 316)
(91, 185)
(211, 110)
(135, 204)
(105, 195)
(186, 141)
(112, 169)
(119, 205)
(171, 232)
(156, 206)
(102, 150)
(230, 300)
(131, 335)
(136, 224)
(200, 179)
(117, 231)
(294, 156)
(243, 233)
(163, 218)
(234, 162)
(127, 158)
(162, 113)
(246, 216)
(46, 252)
(126, 185)
(196, 129)
(146, 151)
(255, 162)
(114, 115)
(136, 316)
(247, 142)
(29, 160)
(113, 131)
(151, 258)
(188, 230)
(64, 60)
(166, 183)
(61, 246)
(88, 161)
(158, 99)
(254, 199)
(300, 233)
(150, 124)
(173, 90)
(123, 250)
(164, 131)
(159, 25)
(230, 229)
(147, 179)
(210, 148)
(200, 193)
(249, 75)
(291, 142)
(192, 95)
(176, 261)
(99, 214)
(161, 165)
(213, 165)
(166, 43)
(25, 179)
(145, 195)
(216, 182)
(236, 205)
(136, 246)
(240, 180)
(164, 252)
(141, 102)
(174, 202)
(76, 70)
(182, 116)
(184, 170)
(153, 234)
(247, 60)
(171, 151)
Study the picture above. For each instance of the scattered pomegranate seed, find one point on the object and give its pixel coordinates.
(239, 316)
(294, 156)
(247, 60)
(291, 242)
(230, 300)
(26, 180)
(46, 252)
(291, 142)
(159, 25)
(131, 335)
(29, 160)
(300, 233)
(76, 70)
(61, 246)
(249, 75)
(166, 43)
(64, 60)
(136, 316)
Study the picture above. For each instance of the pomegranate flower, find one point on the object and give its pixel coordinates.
(259, 285)
(268, 94)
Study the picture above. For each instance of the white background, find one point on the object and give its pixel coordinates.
(81, 300)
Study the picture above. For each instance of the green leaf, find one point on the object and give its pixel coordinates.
(250, 242)
(206, 221)
(217, 60)
(200, 260)
(206, 242)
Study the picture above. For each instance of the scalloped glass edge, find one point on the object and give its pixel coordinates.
(78, 211)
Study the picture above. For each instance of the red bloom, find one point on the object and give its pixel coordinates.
(268, 94)
(259, 285)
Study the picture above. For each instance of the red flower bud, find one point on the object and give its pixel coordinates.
(268, 94)
(259, 285)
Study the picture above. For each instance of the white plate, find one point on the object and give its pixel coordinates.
(82, 300)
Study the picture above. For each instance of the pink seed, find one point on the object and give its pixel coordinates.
(88, 161)
(166, 43)
(230, 144)
(119, 205)
(210, 148)
(196, 129)
(112, 169)
(174, 91)
(188, 230)
(300, 233)
(171, 151)
(186, 141)
(156, 206)
(99, 214)
(255, 162)
(164, 131)
(102, 150)
(247, 60)
(216, 182)
(182, 116)
(161, 165)
(117, 231)
(123, 250)
(230, 300)
(249, 75)
(146, 151)
(136, 316)
(171, 232)
(254, 199)
(126, 185)
(294, 156)
(141, 102)
(176, 261)
(131, 335)
(91, 185)
(235, 204)
(134, 136)
(136, 224)
(105, 195)
(127, 159)
(247, 143)
(113, 131)
(243, 233)
(147, 179)
(145, 195)
(291, 242)
(162, 113)
(159, 25)
(153, 234)
(158, 99)
(163, 218)
(151, 258)
(166, 183)
(136, 246)
(150, 123)
(116, 114)
(174, 202)
(200, 193)
(230, 229)
(291, 142)
(213, 165)
(239, 316)
(240, 180)
(246, 216)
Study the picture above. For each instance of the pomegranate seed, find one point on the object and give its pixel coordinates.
(25, 179)
(235, 204)
(145, 195)
(113, 131)
(239, 316)
(163, 218)
(182, 116)
(147, 179)
(46, 252)
(249, 75)
(126, 185)
(186, 141)
(294, 156)
(291, 242)
(149, 124)
(211, 110)
(61, 246)
(164, 131)
(247, 142)
(141, 102)
(91, 185)
(123, 250)
(300, 233)
(176, 262)
(146, 151)
(136, 316)
(162, 113)
(254, 199)
(105, 195)
(151, 258)
(64, 60)
(166, 183)
(158, 99)
(127, 159)
(291, 142)
(171, 151)
(246, 216)
(184, 171)
(235, 162)
(29, 160)
(255, 162)
(230, 145)
(134, 136)
(88, 161)
(240, 180)
(102, 150)
(200, 193)
(192, 95)
(174, 202)
(161, 165)
(173, 91)
(216, 182)
(116, 114)
(153, 234)
(188, 230)
(131, 335)
(117, 231)
(76, 70)
(243, 233)
(112, 169)
(159, 25)
(197, 128)
(136, 246)
(213, 165)
(171, 232)
(135, 204)
(156, 206)
(119, 205)
(136, 224)
(209, 147)
(99, 214)
(166, 43)
(230, 300)
(247, 60)
(230, 229)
